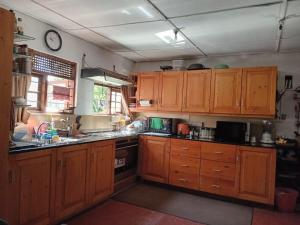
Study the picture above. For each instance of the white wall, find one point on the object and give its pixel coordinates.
(288, 64)
(72, 50)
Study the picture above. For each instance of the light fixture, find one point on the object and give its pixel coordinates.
(149, 15)
(171, 37)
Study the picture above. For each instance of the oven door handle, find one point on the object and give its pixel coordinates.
(129, 146)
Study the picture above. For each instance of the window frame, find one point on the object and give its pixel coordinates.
(44, 82)
(39, 94)
(112, 88)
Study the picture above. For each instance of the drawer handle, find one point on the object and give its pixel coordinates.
(215, 186)
(217, 170)
(184, 165)
(185, 148)
(218, 152)
(182, 180)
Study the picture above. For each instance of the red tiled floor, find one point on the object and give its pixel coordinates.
(117, 213)
(267, 217)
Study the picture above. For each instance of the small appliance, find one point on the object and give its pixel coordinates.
(183, 129)
(230, 131)
(163, 125)
(266, 137)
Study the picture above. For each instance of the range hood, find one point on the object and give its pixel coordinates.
(104, 76)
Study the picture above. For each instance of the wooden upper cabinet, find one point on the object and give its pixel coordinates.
(101, 170)
(156, 159)
(148, 84)
(226, 91)
(31, 191)
(71, 180)
(170, 91)
(259, 91)
(196, 91)
(257, 174)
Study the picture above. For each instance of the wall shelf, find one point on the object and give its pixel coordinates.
(22, 37)
(21, 56)
(20, 74)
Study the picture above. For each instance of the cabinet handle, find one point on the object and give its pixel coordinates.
(215, 186)
(218, 152)
(184, 165)
(217, 170)
(182, 180)
(10, 177)
(185, 148)
(237, 158)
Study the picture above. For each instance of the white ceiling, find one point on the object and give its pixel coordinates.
(209, 27)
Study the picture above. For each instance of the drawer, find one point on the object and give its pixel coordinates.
(186, 147)
(186, 180)
(222, 170)
(217, 186)
(179, 163)
(219, 152)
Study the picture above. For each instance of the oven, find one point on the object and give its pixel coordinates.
(126, 160)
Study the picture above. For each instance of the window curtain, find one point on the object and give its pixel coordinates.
(125, 100)
(20, 87)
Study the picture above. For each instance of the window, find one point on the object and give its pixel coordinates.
(34, 93)
(106, 100)
(52, 87)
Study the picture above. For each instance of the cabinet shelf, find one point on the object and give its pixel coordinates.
(20, 74)
(21, 56)
(22, 37)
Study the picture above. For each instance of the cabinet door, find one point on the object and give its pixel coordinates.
(259, 91)
(148, 90)
(32, 192)
(196, 91)
(226, 91)
(171, 85)
(156, 159)
(71, 180)
(257, 174)
(101, 174)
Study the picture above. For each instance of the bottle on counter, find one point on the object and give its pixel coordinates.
(20, 29)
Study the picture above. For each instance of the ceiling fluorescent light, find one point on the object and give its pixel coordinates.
(145, 12)
(169, 37)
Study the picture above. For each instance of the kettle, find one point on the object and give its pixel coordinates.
(183, 128)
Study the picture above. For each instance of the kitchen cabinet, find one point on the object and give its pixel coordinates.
(31, 188)
(226, 91)
(71, 178)
(218, 173)
(259, 91)
(257, 174)
(185, 163)
(101, 170)
(6, 59)
(156, 159)
(148, 84)
(170, 91)
(196, 91)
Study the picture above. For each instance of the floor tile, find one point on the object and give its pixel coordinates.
(268, 217)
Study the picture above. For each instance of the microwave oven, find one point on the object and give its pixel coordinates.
(230, 131)
(163, 125)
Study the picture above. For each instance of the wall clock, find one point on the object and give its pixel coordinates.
(53, 40)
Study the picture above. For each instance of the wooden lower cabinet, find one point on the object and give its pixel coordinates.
(71, 179)
(31, 188)
(257, 174)
(101, 170)
(156, 159)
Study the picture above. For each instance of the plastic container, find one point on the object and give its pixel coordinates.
(286, 199)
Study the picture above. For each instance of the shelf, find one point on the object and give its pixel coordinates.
(21, 56)
(22, 37)
(21, 106)
(20, 74)
(132, 97)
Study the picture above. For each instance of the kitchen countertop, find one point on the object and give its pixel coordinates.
(102, 136)
(21, 147)
(257, 144)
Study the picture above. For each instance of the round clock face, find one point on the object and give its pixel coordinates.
(53, 40)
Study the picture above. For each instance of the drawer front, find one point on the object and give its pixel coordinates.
(217, 186)
(185, 180)
(210, 168)
(219, 152)
(179, 163)
(186, 147)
